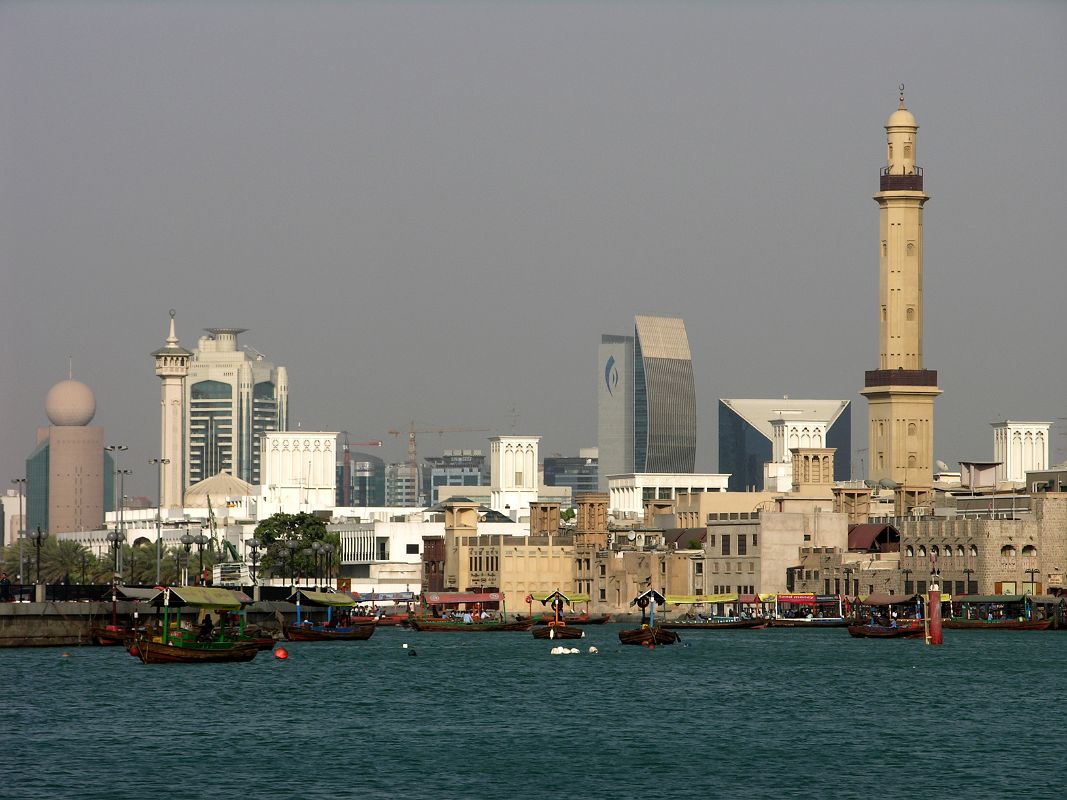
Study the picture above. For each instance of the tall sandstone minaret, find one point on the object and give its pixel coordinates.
(172, 365)
(900, 393)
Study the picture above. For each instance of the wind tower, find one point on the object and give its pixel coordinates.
(901, 392)
(172, 365)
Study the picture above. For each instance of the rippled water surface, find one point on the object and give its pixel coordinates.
(753, 714)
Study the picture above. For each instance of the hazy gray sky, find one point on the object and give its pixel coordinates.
(431, 211)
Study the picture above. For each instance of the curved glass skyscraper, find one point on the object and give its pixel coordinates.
(646, 400)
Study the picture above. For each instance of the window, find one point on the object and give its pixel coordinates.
(1029, 551)
(412, 549)
(935, 551)
(742, 545)
(974, 551)
(909, 551)
(922, 551)
(603, 595)
(726, 544)
(603, 570)
(711, 540)
(755, 540)
(698, 567)
(662, 567)
(1007, 551)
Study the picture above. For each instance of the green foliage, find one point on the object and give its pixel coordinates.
(693, 544)
(274, 533)
(567, 514)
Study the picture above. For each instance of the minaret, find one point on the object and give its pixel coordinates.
(901, 393)
(172, 365)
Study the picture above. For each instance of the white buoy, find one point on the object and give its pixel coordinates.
(405, 645)
(552, 634)
(557, 650)
(593, 650)
(573, 651)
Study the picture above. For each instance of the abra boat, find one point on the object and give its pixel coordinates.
(396, 618)
(809, 611)
(179, 646)
(649, 633)
(474, 617)
(715, 623)
(889, 617)
(117, 632)
(741, 620)
(336, 627)
(556, 627)
(1003, 612)
(907, 629)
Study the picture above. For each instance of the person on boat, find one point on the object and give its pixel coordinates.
(467, 618)
(206, 629)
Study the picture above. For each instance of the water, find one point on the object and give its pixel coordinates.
(753, 714)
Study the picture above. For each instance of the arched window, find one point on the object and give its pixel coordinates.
(959, 551)
(911, 248)
(1007, 551)
(922, 551)
(885, 248)
(974, 551)
(948, 551)
(1029, 551)
(909, 551)
(912, 429)
(935, 551)
(910, 314)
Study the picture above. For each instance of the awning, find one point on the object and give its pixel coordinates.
(695, 599)
(989, 598)
(132, 593)
(450, 598)
(797, 599)
(382, 597)
(335, 599)
(211, 597)
(887, 599)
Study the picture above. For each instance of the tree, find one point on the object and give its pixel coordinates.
(276, 531)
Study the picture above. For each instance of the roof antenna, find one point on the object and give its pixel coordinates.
(70, 367)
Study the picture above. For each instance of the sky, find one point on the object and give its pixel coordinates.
(429, 212)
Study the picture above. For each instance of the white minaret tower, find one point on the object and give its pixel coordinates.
(513, 470)
(901, 393)
(172, 365)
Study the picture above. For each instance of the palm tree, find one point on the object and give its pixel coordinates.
(64, 560)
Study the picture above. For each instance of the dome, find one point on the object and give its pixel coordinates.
(219, 487)
(901, 118)
(70, 403)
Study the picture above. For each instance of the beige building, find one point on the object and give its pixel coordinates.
(901, 392)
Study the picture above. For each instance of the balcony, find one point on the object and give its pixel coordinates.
(900, 377)
(895, 183)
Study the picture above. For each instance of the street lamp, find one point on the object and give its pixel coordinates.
(187, 542)
(327, 549)
(253, 546)
(114, 537)
(159, 462)
(306, 553)
(122, 473)
(38, 537)
(201, 540)
(21, 483)
(1033, 572)
(316, 548)
(292, 544)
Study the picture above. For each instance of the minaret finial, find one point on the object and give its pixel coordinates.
(172, 340)
(70, 367)
(902, 97)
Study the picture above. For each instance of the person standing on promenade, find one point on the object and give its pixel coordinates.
(5, 588)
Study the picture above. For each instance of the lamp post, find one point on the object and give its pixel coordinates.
(159, 462)
(292, 544)
(21, 483)
(114, 537)
(1033, 572)
(253, 546)
(187, 542)
(200, 540)
(327, 549)
(969, 572)
(316, 548)
(38, 537)
(306, 553)
(122, 473)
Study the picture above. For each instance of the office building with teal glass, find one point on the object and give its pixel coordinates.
(646, 401)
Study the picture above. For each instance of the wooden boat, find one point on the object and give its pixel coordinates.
(557, 628)
(998, 624)
(649, 634)
(904, 629)
(471, 619)
(398, 617)
(109, 635)
(1019, 612)
(716, 623)
(336, 627)
(811, 622)
(179, 646)
(573, 619)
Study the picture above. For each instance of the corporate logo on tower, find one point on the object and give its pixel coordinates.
(611, 375)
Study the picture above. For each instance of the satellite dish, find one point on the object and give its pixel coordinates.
(886, 483)
(942, 466)
(631, 536)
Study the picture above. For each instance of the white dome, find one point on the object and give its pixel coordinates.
(219, 487)
(70, 403)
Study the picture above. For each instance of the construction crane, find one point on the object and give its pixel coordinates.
(346, 468)
(413, 460)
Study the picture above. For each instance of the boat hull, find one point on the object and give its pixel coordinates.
(885, 632)
(713, 625)
(815, 622)
(999, 625)
(205, 653)
(109, 636)
(648, 636)
(557, 632)
(315, 633)
(443, 626)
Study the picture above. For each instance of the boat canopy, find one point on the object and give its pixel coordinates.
(650, 596)
(973, 599)
(210, 597)
(697, 599)
(450, 598)
(541, 597)
(751, 599)
(310, 598)
(382, 597)
(802, 599)
(550, 598)
(133, 593)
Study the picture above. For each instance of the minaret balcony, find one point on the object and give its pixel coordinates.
(894, 183)
(900, 377)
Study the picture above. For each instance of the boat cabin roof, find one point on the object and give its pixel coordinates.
(309, 598)
(454, 598)
(651, 595)
(209, 597)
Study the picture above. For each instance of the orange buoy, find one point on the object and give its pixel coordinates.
(281, 653)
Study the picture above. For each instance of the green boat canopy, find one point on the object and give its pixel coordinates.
(211, 597)
(696, 599)
(570, 598)
(309, 598)
(1042, 599)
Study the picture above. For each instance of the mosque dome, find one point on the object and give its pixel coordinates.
(219, 487)
(901, 118)
(70, 403)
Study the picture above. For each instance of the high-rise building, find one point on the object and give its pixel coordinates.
(579, 472)
(756, 437)
(900, 393)
(402, 485)
(231, 400)
(366, 477)
(455, 468)
(646, 400)
(69, 475)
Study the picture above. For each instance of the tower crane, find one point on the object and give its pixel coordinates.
(412, 449)
(346, 468)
